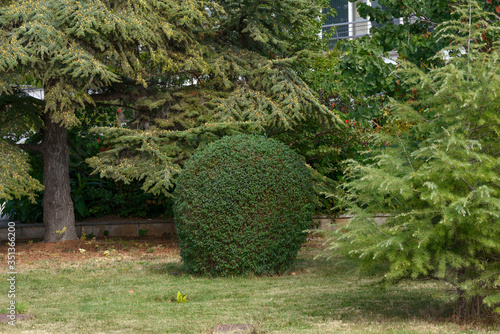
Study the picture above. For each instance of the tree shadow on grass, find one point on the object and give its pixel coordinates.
(169, 268)
(356, 293)
(365, 301)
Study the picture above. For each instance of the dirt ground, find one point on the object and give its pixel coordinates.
(29, 251)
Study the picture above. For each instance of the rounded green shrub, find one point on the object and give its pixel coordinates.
(241, 206)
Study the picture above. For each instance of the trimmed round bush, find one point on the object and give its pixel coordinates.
(241, 206)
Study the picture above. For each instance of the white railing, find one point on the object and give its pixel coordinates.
(348, 29)
(359, 28)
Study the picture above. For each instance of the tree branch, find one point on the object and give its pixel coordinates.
(407, 155)
(32, 147)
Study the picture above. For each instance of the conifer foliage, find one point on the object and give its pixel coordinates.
(437, 171)
(76, 50)
(253, 51)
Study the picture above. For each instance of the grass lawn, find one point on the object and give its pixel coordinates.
(130, 292)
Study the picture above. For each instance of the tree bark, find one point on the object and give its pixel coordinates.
(58, 214)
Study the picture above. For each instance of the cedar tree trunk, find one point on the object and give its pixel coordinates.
(58, 214)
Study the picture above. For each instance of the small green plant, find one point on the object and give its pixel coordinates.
(106, 233)
(181, 298)
(151, 250)
(143, 233)
(21, 308)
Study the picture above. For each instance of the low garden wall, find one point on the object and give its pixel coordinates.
(130, 228)
(97, 228)
(328, 223)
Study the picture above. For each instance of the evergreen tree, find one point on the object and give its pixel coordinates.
(437, 171)
(74, 50)
(256, 54)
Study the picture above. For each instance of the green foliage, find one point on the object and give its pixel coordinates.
(437, 169)
(366, 76)
(20, 114)
(91, 195)
(185, 72)
(256, 54)
(406, 26)
(21, 308)
(72, 46)
(155, 156)
(414, 39)
(324, 145)
(77, 50)
(16, 181)
(95, 197)
(24, 210)
(241, 206)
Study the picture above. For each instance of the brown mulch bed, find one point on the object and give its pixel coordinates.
(29, 251)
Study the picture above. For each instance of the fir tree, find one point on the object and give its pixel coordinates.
(437, 171)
